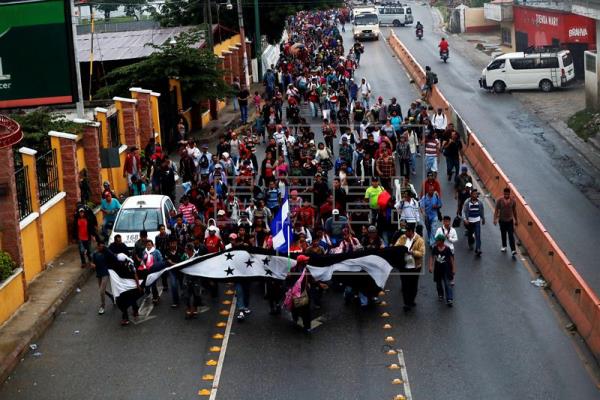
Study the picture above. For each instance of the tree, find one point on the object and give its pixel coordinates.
(197, 70)
(107, 6)
(134, 7)
(36, 125)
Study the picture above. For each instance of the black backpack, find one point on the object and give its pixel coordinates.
(435, 78)
(204, 161)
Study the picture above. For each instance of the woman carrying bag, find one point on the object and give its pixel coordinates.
(297, 298)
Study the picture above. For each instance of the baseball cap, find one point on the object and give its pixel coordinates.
(335, 211)
(212, 228)
(440, 237)
(469, 184)
(221, 212)
(463, 168)
(372, 229)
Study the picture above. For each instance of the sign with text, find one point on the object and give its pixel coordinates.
(36, 53)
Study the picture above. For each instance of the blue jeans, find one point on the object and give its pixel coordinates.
(85, 248)
(235, 103)
(474, 230)
(443, 286)
(244, 113)
(314, 109)
(242, 294)
(431, 224)
(413, 162)
(174, 287)
(431, 163)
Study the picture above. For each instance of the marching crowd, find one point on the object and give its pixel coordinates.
(343, 159)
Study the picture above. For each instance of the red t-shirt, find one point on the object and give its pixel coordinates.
(82, 229)
(213, 244)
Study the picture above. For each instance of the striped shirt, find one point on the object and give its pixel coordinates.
(431, 147)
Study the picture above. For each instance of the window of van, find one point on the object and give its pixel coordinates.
(496, 64)
(522, 63)
(567, 59)
(548, 62)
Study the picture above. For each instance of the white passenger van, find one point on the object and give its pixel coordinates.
(366, 9)
(543, 68)
(395, 14)
(365, 26)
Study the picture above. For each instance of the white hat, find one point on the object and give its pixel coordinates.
(469, 184)
(225, 154)
(221, 212)
(212, 228)
(335, 211)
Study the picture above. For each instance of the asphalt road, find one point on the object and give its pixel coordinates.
(502, 340)
(545, 169)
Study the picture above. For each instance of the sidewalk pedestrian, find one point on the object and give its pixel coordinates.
(474, 217)
(506, 215)
(430, 207)
(101, 260)
(243, 96)
(109, 207)
(83, 232)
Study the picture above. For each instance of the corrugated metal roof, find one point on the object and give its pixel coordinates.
(111, 46)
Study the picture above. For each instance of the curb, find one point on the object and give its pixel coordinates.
(9, 363)
(586, 149)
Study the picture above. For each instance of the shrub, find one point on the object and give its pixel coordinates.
(6, 265)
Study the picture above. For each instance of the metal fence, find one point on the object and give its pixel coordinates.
(47, 176)
(23, 193)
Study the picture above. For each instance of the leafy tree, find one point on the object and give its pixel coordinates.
(36, 125)
(134, 7)
(107, 6)
(197, 69)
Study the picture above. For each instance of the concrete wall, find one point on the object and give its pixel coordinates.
(12, 295)
(32, 259)
(475, 21)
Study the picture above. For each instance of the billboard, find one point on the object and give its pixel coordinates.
(36, 53)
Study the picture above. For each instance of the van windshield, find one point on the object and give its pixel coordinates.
(137, 219)
(366, 19)
(567, 59)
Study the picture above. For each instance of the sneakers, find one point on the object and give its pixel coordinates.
(440, 298)
(101, 310)
(478, 253)
(514, 254)
(247, 311)
(449, 303)
(241, 316)
(125, 322)
(503, 249)
(203, 309)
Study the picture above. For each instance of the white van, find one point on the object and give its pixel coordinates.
(365, 26)
(544, 69)
(395, 14)
(363, 10)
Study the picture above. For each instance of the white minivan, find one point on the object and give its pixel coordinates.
(395, 14)
(365, 26)
(545, 70)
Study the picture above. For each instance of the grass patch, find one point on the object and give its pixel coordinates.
(585, 124)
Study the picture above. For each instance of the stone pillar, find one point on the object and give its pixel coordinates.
(68, 171)
(235, 62)
(128, 121)
(9, 212)
(144, 114)
(28, 157)
(156, 116)
(102, 119)
(91, 148)
(227, 75)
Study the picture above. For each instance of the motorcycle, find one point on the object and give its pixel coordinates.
(444, 54)
(419, 33)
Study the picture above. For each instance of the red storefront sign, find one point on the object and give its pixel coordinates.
(542, 26)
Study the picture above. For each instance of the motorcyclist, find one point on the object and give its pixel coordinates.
(419, 27)
(444, 47)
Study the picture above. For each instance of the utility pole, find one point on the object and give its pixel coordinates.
(243, 40)
(257, 43)
(211, 39)
(79, 103)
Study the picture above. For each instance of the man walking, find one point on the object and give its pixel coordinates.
(243, 96)
(415, 246)
(506, 214)
(474, 217)
(101, 259)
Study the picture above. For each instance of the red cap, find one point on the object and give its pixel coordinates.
(302, 259)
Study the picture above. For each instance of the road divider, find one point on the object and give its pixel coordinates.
(578, 300)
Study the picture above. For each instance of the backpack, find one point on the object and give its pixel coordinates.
(435, 78)
(203, 161)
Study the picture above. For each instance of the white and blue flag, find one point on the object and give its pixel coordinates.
(280, 227)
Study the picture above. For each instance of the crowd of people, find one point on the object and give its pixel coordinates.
(342, 158)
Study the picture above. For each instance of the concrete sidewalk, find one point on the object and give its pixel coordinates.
(46, 295)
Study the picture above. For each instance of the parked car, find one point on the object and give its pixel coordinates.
(544, 69)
